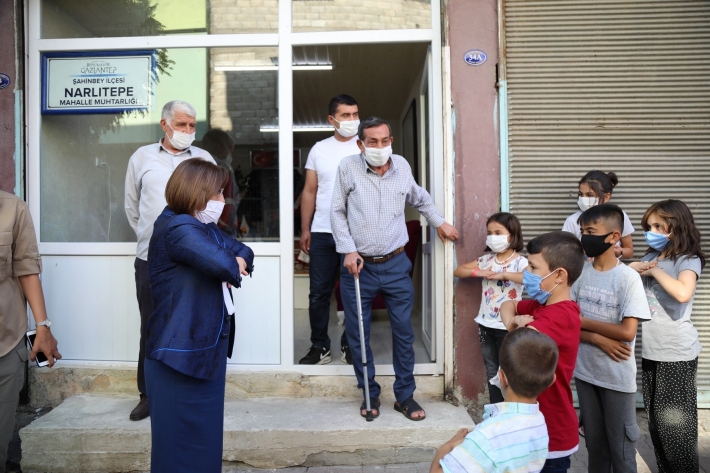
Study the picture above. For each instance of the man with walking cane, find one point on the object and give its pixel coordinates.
(367, 219)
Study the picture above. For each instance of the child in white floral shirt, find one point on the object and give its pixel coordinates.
(501, 271)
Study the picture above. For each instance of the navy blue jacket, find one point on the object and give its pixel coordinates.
(189, 329)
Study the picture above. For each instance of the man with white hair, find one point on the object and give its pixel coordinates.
(148, 172)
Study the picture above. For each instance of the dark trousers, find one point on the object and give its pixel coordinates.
(557, 465)
(322, 270)
(186, 420)
(610, 428)
(491, 341)
(145, 307)
(391, 279)
(12, 378)
(671, 400)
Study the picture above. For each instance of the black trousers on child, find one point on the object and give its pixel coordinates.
(671, 401)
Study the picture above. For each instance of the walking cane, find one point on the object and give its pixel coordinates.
(368, 416)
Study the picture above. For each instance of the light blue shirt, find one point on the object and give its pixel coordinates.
(511, 438)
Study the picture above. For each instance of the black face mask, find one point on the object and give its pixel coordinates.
(594, 245)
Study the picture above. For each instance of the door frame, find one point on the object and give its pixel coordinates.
(285, 40)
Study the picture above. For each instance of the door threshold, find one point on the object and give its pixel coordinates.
(380, 370)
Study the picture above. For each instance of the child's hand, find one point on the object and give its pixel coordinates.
(485, 273)
(457, 439)
(519, 321)
(643, 267)
(617, 351)
(497, 276)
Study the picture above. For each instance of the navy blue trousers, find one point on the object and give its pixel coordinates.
(391, 279)
(186, 420)
(322, 270)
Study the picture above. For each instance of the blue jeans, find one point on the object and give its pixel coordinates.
(557, 465)
(322, 270)
(391, 279)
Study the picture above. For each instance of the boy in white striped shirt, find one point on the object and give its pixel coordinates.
(513, 435)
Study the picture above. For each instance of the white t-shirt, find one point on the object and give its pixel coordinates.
(324, 159)
(572, 226)
(496, 292)
(670, 335)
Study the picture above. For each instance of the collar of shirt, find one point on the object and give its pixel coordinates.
(492, 410)
(186, 150)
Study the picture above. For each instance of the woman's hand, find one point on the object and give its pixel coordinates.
(242, 266)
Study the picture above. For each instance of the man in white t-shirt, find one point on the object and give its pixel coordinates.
(316, 234)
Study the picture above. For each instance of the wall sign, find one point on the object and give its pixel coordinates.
(97, 82)
(4, 81)
(474, 57)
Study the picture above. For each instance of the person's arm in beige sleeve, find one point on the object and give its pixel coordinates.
(26, 267)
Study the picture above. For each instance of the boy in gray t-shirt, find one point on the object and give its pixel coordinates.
(612, 300)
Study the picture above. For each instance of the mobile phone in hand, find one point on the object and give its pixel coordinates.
(40, 359)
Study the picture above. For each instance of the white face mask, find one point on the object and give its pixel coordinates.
(586, 203)
(497, 243)
(347, 129)
(180, 140)
(211, 213)
(378, 156)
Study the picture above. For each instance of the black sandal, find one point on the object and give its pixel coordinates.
(374, 404)
(410, 405)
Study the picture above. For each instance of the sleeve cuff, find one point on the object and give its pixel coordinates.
(27, 266)
(436, 221)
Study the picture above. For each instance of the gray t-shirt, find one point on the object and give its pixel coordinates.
(670, 335)
(609, 297)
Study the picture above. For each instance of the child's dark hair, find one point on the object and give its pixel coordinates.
(528, 358)
(560, 250)
(610, 215)
(600, 182)
(685, 236)
(512, 224)
(341, 99)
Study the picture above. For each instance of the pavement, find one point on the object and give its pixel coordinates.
(645, 456)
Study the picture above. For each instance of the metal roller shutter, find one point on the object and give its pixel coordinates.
(615, 85)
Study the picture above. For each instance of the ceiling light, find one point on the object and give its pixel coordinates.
(297, 129)
(303, 67)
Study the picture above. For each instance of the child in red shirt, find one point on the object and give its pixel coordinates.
(555, 261)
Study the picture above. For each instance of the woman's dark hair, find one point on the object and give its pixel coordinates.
(193, 183)
(512, 224)
(600, 182)
(685, 236)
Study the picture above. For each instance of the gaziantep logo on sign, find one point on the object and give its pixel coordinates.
(475, 57)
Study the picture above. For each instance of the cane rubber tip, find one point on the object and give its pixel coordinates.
(368, 416)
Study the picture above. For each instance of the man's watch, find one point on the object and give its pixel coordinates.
(45, 323)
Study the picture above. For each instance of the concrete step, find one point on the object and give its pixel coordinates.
(50, 386)
(92, 434)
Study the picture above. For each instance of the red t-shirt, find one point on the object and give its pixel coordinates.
(560, 322)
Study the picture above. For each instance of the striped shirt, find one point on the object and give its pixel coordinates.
(367, 213)
(512, 438)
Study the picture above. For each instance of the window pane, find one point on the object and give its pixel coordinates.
(118, 18)
(333, 15)
(84, 202)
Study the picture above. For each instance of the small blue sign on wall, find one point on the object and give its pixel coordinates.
(4, 80)
(474, 57)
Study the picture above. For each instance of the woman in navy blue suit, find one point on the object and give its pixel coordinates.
(191, 264)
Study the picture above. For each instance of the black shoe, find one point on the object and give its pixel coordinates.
(345, 355)
(316, 356)
(141, 411)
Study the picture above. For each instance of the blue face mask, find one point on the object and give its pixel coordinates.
(657, 241)
(532, 286)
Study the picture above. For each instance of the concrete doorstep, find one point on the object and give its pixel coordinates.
(92, 434)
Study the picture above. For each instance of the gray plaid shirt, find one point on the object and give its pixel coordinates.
(367, 214)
